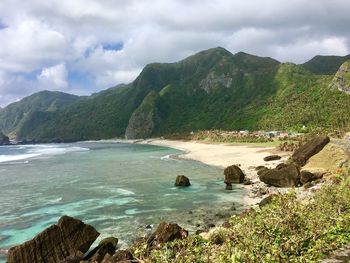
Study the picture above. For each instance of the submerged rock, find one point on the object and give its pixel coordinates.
(233, 175)
(182, 180)
(166, 232)
(288, 176)
(309, 149)
(69, 238)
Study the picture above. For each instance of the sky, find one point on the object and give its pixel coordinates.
(84, 46)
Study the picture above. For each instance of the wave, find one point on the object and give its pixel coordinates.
(30, 151)
(10, 158)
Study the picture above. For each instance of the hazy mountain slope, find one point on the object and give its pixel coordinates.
(325, 65)
(14, 114)
(212, 89)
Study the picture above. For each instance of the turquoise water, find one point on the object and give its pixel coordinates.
(118, 188)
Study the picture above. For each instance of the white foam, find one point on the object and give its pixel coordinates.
(10, 158)
(54, 150)
(124, 191)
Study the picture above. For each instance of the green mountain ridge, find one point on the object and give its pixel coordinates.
(12, 116)
(325, 65)
(212, 89)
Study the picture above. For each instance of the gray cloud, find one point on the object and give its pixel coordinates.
(57, 39)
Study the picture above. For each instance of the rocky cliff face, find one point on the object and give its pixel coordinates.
(341, 80)
(144, 119)
(4, 140)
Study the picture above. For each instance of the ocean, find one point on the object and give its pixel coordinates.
(118, 188)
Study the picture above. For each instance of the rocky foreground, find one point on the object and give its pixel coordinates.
(70, 240)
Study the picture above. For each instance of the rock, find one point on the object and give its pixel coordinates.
(267, 200)
(272, 158)
(309, 149)
(288, 176)
(259, 167)
(262, 170)
(182, 180)
(4, 140)
(233, 175)
(247, 181)
(70, 237)
(228, 186)
(307, 177)
(106, 246)
(166, 232)
(73, 259)
(281, 165)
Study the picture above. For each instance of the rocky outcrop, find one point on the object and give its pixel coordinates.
(272, 158)
(307, 177)
(341, 80)
(182, 180)
(267, 200)
(309, 149)
(285, 176)
(70, 238)
(166, 232)
(233, 175)
(144, 119)
(4, 140)
(213, 81)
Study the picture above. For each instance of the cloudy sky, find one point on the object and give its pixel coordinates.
(83, 46)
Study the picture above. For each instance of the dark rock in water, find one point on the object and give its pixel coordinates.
(228, 186)
(233, 175)
(182, 180)
(4, 140)
(70, 237)
(267, 200)
(106, 246)
(166, 232)
(288, 176)
(309, 149)
(272, 158)
(307, 177)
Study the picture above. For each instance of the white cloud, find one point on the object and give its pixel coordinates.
(71, 34)
(54, 77)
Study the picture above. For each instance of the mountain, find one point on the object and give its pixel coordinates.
(212, 89)
(325, 65)
(12, 116)
(341, 80)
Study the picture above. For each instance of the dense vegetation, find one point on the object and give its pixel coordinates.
(287, 230)
(325, 65)
(12, 117)
(209, 90)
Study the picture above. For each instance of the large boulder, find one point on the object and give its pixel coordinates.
(70, 237)
(287, 176)
(233, 175)
(120, 256)
(309, 149)
(166, 232)
(182, 180)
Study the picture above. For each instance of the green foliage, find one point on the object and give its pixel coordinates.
(287, 230)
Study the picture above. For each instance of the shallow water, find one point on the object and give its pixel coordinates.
(118, 188)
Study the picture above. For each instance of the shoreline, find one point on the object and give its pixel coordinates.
(246, 156)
